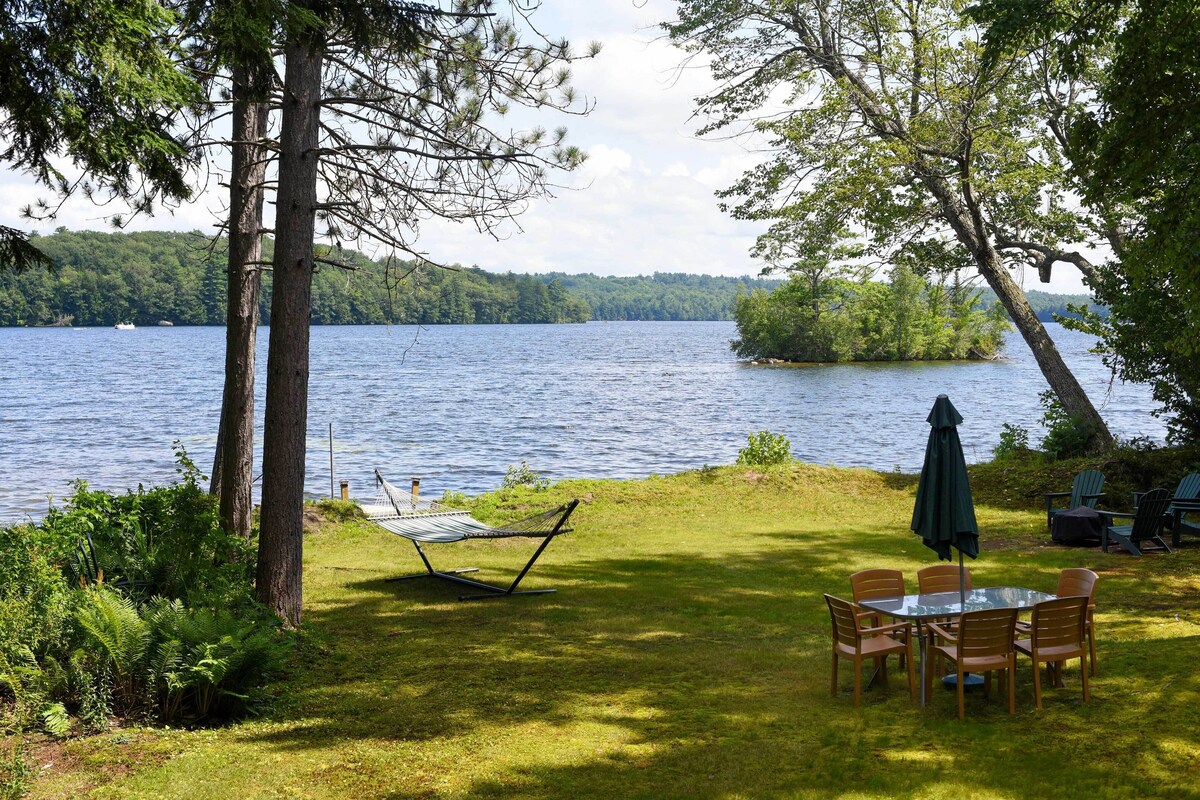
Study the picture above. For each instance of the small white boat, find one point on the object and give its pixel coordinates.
(124, 326)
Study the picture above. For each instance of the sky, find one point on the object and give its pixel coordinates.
(643, 202)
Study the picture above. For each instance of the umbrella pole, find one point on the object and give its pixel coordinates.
(962, 584)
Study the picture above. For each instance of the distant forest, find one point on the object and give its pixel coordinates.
(147, 277)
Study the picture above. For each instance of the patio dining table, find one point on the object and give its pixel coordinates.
(921, 608)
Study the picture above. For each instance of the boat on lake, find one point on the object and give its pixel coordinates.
(124, 326)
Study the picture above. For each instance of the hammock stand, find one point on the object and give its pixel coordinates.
(429, 521)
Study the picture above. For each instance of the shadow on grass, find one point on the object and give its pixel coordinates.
(707, 675)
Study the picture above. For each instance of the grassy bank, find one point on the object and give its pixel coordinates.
(685, 655)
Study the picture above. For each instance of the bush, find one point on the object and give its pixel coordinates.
(163, 541)
(1067, 435)
(155, 617)
(764, 449)
(1014, 442)
(517, 477)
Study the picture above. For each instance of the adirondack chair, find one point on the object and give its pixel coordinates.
(1186, 500)
(1147, 524)
(1085, 491)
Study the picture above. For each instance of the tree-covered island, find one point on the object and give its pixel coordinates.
(911, 317)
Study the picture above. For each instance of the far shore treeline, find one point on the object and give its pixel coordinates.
(148, 277)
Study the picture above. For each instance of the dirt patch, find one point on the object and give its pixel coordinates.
(93, 761)
(314, 520)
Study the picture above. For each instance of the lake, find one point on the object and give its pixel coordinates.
(457, 405)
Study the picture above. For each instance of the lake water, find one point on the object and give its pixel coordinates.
(457, 405)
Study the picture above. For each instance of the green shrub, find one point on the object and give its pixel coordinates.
(155, 617)
(764, 449)
(1067, 435)
(523, 476)
(209, 664)
(1014, 442)
(161, 541)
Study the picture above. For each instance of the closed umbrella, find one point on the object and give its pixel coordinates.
(944, 516)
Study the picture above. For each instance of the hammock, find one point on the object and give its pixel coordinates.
(430, 522)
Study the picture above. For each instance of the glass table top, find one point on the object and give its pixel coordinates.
(946, 604)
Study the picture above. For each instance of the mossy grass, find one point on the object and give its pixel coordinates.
(685, 655)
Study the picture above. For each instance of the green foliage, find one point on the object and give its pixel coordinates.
(524, 476)
(100, 83)
(1014, 442)
(661, 296)
(1134, 152)
(162, 622)
(1067, 436)
(102, 278)
(339, 510)
(165, 540)
(831, 319)
(765, 449)
(14, 772)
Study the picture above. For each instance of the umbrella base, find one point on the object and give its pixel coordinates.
(971, 681)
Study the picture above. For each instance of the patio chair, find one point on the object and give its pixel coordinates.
(941, 578)
(857, 643)
(1077, 582)
(1056, 636)
(872, 584)
(1147, 524)
(983, 642)
(1085, 491)
(1185, 500)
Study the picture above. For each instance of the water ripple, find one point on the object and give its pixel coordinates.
(465, 402)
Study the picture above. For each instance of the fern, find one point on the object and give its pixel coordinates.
(55, 720)
(120, 635)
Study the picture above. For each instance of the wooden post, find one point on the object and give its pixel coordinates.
(416, 490)
(345, 490)
(331, 495)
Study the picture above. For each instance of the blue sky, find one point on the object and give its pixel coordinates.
(643, 202)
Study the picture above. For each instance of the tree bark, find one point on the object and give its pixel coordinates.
(967, 222)
(280, 544)
(233, 466)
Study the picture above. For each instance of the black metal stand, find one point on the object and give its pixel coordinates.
(491, 590)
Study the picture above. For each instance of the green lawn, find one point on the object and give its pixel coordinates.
(685, 655)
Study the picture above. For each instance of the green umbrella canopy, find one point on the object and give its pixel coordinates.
(945, 514)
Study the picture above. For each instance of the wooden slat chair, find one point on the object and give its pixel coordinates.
(1056, 636)
(941, 578)
(853, 641)
(983, 642)
(1147, 524)
(874, 584)
(1077, 582)
(1183, 501)
(1085, 491)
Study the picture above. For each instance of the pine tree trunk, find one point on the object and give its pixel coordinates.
(233, 467)
(280, 544)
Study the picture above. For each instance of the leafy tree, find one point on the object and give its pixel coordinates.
(1134, 143)
(94, 82)
(892, 125)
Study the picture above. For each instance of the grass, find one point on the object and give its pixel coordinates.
(685, 655)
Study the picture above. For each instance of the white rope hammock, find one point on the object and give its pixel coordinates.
(429, 521)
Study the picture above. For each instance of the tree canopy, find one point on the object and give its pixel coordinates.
(92, 83)
(1134, 144)
(890, 137)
